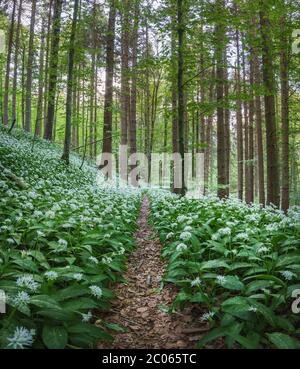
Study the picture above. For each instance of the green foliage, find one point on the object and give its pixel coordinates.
(239, 263)
(63, 245)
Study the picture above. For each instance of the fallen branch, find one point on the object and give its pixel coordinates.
(18, 181)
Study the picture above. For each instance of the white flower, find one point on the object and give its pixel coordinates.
(106, 260)
(242, 236)
(196, 282)
(28, 282)
(121, 251)
(40, 234)
(21, 338)
(22, 298)
(87, 317)
(288, 275)
(263, 249)
(224, 231)
(188, 228)
(252, 308)
(181, 218)
(273, 227)
(169, 235)
(78, 276)
(221, 279)
(93, 259)
(181, 247)
(207, 316)
(51, 275)
(63, 242)
(185, 236)
(50, 214)
(96, 291)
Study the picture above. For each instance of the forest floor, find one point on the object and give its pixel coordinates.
(140, 300)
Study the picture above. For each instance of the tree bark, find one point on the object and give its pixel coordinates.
(70, 86)
(8, 59)
(53, 69)
(15, 77)
(108, 99)
(180, 86)
(29, 68)
(270, 116)
(284, 82)
(221, 151)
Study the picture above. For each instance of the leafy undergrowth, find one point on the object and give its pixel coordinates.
(240, 263)
(63, 241)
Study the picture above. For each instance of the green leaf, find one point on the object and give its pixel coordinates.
(55, 337)
(45, 301)
(283, 341)
(233, 283)
(267, 277)
(70, 292)
(214, 264)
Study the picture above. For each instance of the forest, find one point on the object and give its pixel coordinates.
(149, 174)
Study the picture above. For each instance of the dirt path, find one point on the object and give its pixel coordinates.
(138, 303)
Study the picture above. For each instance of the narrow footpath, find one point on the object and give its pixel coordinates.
(140, 301)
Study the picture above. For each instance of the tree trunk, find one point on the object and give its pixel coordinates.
(132, 127)
(270, 116)
(221, 152)
(15, 77)
(124, 73)
(108, 99)
(8, 59)
(239, 123)
(259, 134)
(29, 68)
(70, 86)
(284, 81)
(180, 86)
(53, 69)
(39, 112)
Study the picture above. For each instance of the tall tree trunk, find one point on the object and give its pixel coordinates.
(221, 154)
(132, 127)
(209, 129)
(39, 112)
(53, 69)
(125, 72)
(46, 79)
(180, 86)
(250, 192)
(8, 59)
(15, 77)
(226, 126)
(270, 116)
(70, 86)
(284, 81)
(23, 85)
(108, 99)
(29, 68)
(175, 134)
(239, 123)
(259, 134)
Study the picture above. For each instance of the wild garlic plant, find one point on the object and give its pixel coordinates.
(238, 264)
